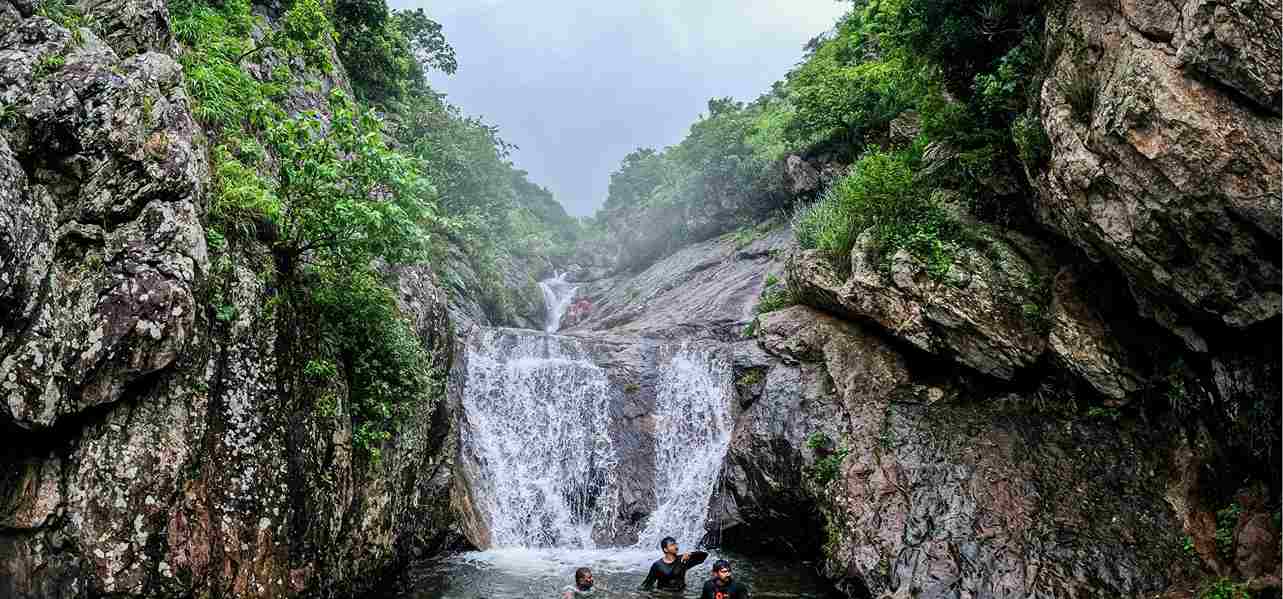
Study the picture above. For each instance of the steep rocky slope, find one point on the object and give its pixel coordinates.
(154, 446)
(1085, 404)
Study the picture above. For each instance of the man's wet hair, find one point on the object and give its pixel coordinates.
(664, 543)
(582, 573)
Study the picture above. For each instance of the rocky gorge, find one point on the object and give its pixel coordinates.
(1085, 405)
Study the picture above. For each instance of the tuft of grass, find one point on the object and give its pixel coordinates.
(1080, 92)
(775, 298)
(880, 195)
(751, 378)
(1032, 144)
(49, 64)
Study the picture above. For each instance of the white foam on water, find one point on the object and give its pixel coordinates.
(692, 434)
(538, 420)
(557, 296)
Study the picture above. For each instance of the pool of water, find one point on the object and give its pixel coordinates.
(546, 572)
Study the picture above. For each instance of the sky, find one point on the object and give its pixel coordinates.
(576, 85)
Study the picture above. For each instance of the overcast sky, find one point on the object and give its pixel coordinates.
(578, 84)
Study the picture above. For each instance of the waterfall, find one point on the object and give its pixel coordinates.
(692, 434)
(557, 295)
(537, 414)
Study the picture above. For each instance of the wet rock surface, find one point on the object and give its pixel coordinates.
(706, 289)
(103, 248)
(980, 313)
(154, 449)
(931, 486)
(1173, 172)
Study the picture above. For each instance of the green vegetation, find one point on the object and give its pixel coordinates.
(751, 378)
(1226, 522)
(879, 196)
(49, 64)
(774, 296)
(967, 75)
(393, 176)
(1224, 588)
(828, 460)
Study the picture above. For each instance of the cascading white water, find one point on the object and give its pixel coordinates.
(692, 434)
(537, 412)
(557, 295)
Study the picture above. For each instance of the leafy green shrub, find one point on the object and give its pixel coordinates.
(1031, 141)
(836, 100)
(1226, 522)
(879, 195)
(828, 462)
(1224, 588)
(341, 194)
(388, 370)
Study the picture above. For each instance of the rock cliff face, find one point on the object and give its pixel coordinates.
(151, 449)
(1077, 408)
(1173, 173)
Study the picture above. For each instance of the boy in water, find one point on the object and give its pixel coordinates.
(668, 571)
(721, 585)
(582, 586)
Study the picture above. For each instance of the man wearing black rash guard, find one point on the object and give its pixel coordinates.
(721, 585)
(668, 573)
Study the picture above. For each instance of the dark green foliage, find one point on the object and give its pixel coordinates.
(1080, 92)
(1224, 588)
(389, 374)
(1031, 141)
(843, 93)
(880, 196)
(828, 460)
(1226, 522)
(386, 52)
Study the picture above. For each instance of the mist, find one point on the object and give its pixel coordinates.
(576, 85)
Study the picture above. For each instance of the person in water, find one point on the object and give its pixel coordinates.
(582, 586)
(722, 585)
(668, 573)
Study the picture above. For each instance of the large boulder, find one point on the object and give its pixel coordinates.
(1164, 133)
(102, 247)
(987, 311)
(705, 289)
(931, 486)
